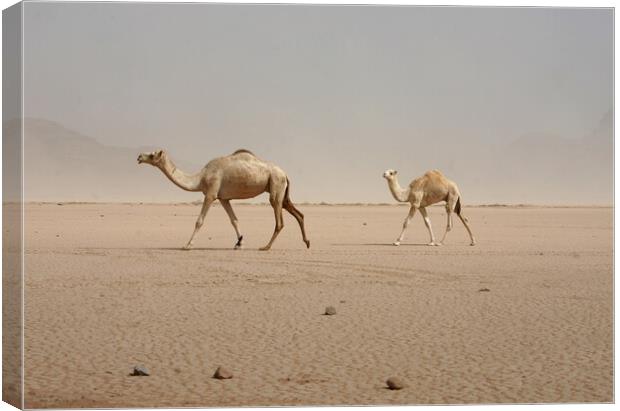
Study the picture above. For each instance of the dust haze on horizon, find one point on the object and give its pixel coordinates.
(514, 104)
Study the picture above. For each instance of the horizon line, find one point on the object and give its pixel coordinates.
(322, 203)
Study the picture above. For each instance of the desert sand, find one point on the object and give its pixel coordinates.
(108, 288)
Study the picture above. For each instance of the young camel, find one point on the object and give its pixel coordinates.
(429, 189)
(240, 175)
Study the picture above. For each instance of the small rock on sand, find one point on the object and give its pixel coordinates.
(482, 290)
(395, 383)
(330, 310)
(140, 371)
(222, 374)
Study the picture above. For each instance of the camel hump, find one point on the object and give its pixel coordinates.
(434, 172)
(429, 177)
(243, 150)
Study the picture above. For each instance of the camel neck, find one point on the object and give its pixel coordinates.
(183, 180)
(399, 193)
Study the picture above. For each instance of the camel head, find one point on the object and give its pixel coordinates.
(389, 174)
(155, 158)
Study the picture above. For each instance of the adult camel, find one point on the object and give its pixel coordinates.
(240, 175)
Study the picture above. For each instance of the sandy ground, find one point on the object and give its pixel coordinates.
(107, 288)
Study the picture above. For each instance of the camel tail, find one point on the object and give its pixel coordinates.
(287, 204)
(287, 199)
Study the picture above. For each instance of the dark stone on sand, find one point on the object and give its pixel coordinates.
(395, 383)
(330, 310)
(140, 371)
(222, 374)
(484, 290)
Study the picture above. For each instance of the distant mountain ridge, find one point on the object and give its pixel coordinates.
(64, 165)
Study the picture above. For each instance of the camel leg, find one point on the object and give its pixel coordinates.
(464, 220)
(288, 206)
(448, 224)
(233, 221)
(276, 203)
(201, 219)
(427, 223)
(449, 207)
(405, 224)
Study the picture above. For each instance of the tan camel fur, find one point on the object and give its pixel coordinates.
(240, 175)
(429, 189)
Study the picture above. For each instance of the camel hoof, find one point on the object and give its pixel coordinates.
(187, 247)
(397, 243)
(264, 248)
(238, 247)
(473, 243)
(307, 243)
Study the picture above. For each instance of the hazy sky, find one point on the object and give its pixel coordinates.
(335, 94)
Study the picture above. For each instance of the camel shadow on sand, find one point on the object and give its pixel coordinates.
(189, 251)
(378, 245)
(180, 249)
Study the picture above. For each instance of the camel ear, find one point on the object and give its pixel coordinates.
(395, 172)
(159, 153)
